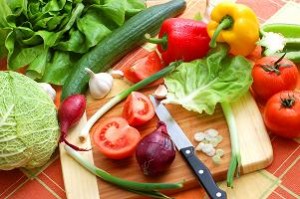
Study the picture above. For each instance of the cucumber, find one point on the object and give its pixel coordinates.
(119, 43)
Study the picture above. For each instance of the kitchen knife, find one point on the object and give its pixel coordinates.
(187, 150)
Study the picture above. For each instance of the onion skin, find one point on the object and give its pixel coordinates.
(156, 151)
(69, 114)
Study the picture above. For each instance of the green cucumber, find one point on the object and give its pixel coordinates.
(119, 43)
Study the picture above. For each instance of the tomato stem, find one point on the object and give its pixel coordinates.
(288, 102)
(275, 67)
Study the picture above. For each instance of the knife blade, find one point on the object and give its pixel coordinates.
(187, 150)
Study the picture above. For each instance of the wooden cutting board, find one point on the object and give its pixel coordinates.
(256, 150)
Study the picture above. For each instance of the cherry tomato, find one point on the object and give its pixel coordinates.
(138, 109)
(143, 67)
(271, 75)
(282, 114)
(115, 138)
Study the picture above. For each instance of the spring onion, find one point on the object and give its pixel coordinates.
(235, 161)
(118, 98)
(146, 189)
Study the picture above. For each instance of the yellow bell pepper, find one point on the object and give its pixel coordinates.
(236, 25)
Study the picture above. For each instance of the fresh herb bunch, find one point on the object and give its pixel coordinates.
(48, 36)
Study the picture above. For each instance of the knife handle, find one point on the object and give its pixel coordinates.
(203, 174)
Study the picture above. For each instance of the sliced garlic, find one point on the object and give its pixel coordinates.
(199, 136)
(161, 92)
(100, 84)
(117, 74)
(220, 152)
(212, 152)
(48, 89)
(212, 132)
(216, 159)
(200, 146)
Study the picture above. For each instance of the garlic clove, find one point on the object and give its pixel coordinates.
(161, 92)
(117, 74)
(48, 89)
(100, 84)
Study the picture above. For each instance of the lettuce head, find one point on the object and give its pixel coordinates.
(29, 129)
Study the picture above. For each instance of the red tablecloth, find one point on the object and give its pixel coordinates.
(283, 175)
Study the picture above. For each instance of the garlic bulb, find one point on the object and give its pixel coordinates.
(48, 89)
(100, 84)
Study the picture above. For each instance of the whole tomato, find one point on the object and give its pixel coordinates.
(272, 74)
(282, 114)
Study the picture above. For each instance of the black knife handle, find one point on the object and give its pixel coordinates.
(203, 174)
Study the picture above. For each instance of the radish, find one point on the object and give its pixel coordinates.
(69, 114)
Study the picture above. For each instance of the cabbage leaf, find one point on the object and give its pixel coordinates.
(29, 129)
(199, 85)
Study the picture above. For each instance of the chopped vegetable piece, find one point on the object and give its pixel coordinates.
(143, 68)
(138, 109)
(115, 139)
(199, 136)
(278, 39)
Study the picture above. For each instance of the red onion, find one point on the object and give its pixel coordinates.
(156, 151)
(69, 114)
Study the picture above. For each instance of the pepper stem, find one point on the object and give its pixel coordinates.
(225, 23)
(163, 41)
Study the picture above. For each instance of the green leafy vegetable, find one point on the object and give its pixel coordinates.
(35, 31)
(202, 84)
(29, 130)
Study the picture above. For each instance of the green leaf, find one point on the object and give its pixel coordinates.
(58, 68)
(199, 85)
(23, 56)
(37, 67)
(133, 7)
(93, 27)
(76, 43)
(4, 12)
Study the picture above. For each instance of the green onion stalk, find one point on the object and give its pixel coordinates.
(146, 189)
(118, 98)
(235, 161)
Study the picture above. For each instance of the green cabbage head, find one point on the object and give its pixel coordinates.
(29, 129)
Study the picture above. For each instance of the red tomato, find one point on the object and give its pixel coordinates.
(271, 75)
(115, 138)
(282, 114)
(143, 67)
(138, 109)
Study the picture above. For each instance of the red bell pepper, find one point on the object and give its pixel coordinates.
(182, 39)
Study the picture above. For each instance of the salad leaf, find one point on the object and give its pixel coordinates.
(35, 31)
(199, 85)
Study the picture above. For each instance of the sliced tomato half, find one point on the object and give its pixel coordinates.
(115, 138)
(138, 109)
(144, 67)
